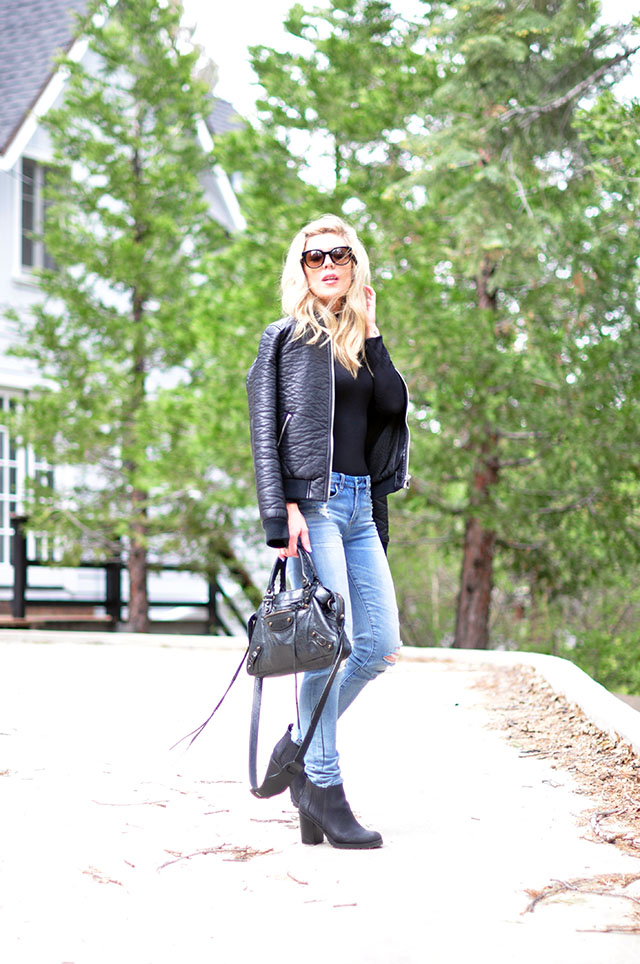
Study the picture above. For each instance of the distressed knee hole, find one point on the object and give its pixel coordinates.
(392, 658)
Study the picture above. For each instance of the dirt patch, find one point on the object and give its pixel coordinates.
(539, 722)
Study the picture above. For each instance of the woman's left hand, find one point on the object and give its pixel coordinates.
(372, 328)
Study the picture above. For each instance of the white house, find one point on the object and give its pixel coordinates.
(32, 32)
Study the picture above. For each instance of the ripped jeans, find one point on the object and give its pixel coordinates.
(349, 559)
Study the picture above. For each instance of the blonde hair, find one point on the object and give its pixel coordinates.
(345, 329)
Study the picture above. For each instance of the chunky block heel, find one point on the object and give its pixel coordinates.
(309, 833)
(325, 811)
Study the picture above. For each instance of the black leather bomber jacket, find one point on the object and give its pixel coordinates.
(291, 402)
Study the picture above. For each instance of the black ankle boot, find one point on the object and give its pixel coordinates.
(284, 752)
(324, 810)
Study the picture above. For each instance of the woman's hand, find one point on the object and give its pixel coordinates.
(297, 530)
(372, 328)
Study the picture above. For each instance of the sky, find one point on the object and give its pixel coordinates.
(226, 30)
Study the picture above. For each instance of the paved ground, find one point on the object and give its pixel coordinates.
(113, 849)
(633, 701)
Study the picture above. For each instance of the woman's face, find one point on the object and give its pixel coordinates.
(330, 282)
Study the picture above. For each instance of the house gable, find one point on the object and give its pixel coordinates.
(32, 33)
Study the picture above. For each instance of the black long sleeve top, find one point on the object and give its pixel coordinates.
(379, 390)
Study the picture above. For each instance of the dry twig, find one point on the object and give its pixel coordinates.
(229, 853)
(600, 886)
(305, 883)
(99, 877)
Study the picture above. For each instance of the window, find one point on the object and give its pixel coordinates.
(15, 465)
(33, 251)
(9, 470)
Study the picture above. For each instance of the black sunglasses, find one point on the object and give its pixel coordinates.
(315, 258)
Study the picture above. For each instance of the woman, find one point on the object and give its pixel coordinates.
(330, 441)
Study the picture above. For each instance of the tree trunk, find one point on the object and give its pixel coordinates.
(476, 583)
(138, 596)
(476, 580)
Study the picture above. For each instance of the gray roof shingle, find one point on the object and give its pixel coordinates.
(223, 117)
(32, 32)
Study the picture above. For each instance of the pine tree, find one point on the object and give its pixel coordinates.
(128, 227)
(510, 190)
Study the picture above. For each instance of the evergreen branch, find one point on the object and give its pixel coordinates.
(586, 500)
(520, 191)
(519, 546)
(627, 605)
(543, 383)
(520, 436)
(532, 112)
(237, 569)
(112, 546)
(406, 542)
(632, 536)
(418, 489)
(515, 463)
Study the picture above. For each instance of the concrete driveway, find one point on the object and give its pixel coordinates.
(115, 849)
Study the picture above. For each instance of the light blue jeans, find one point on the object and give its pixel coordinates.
(349, 559)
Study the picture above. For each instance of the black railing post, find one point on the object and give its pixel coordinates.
(19, 560)
(214, 622)
(113, 590)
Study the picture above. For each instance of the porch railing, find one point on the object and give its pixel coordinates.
(112, 600)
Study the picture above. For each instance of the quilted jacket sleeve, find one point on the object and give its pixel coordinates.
(262, 384)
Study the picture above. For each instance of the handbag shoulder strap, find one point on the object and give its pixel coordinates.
(198, 730)
(279, 781)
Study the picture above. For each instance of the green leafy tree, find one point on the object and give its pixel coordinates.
(464, 146)
(129, 228)
(587, 608)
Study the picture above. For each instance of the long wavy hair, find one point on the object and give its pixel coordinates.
(343, 324)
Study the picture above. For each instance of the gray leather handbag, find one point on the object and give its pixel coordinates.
(293, 631)
(296, 630)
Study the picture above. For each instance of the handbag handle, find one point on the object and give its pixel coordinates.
(306, 564)
(309, 574)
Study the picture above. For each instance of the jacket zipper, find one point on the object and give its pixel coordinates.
(332, 379)
(288, 418)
